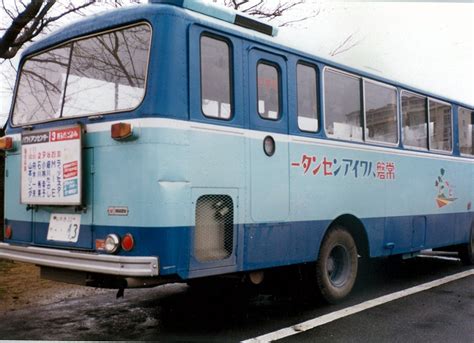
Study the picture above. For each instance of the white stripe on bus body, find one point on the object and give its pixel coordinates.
(254, 134)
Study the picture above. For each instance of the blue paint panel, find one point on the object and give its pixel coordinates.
(21, 231)
(462, 227)
(398, 231)
(170, 2)
(167, 90)
(171, 245)
(374, 228)
(440, 230)
(281, 244)
(265, 245)
(419, 232)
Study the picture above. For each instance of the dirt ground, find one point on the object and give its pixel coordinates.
(21, 287)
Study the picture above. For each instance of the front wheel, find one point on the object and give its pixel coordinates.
(336, 268)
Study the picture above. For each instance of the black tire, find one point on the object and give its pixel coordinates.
(336, 268)
(466, 252)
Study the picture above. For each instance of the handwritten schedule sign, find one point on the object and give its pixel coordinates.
(51, 167)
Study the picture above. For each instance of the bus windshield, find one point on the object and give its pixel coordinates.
(98, 74)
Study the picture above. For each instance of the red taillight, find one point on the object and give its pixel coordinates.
(127, 242)
(121, 130)
(8, 232)
(6, 143)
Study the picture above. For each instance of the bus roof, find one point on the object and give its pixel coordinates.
(212, 15)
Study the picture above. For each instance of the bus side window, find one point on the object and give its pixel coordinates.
(342, 106)
(215, 78)
(381, 112)
(466, 128)
(307, 102)
(415, 126)
(440, 126)
(268, 91)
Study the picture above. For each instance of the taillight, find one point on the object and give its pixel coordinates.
(8, 232)
(112, 243)
(6, 143)
(120, 131)
(127, 242)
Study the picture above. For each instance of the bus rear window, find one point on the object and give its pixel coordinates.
(102, 74)
(39, 96)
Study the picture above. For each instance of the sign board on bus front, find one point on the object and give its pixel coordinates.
(51, 167)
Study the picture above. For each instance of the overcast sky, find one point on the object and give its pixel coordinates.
(429, 45)
(426, 44)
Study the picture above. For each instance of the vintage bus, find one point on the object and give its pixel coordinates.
(179, 140)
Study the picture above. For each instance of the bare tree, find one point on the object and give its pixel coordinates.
(30, 20)
(270, 12)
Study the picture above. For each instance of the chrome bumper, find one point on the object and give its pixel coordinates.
(130, 266)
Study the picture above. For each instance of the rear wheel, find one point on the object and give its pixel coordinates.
(336, 268)
(466, 252)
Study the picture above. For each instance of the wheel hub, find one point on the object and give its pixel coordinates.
(338, 266)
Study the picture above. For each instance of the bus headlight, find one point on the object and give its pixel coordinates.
(112, 243)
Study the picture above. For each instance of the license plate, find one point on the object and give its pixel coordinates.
(64, 227)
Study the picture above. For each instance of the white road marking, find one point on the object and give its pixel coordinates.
(330, 317)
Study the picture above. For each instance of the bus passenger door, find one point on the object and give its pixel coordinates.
(268, 140)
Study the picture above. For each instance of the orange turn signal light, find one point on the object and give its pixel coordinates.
(6, 143)
(121, 131)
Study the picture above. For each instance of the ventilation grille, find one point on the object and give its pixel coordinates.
(214, 228)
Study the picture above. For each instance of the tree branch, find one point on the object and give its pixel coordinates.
(73, 9)
(346, 45)
(18, 24)
(30, 23)
(27, 35)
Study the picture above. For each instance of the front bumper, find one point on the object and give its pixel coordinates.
(128, 266)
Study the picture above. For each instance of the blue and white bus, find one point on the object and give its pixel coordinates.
(178, 140)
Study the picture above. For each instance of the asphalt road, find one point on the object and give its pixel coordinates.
(177, 312)
(442, 314)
